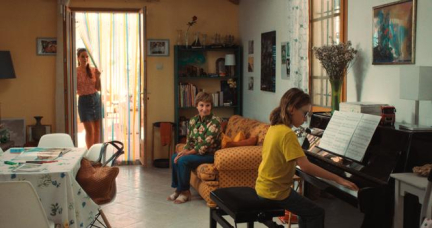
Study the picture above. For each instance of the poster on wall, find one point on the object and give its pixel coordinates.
(286, 62)
(393, 36)
(250, 64)
(250, 47)
(268, 61)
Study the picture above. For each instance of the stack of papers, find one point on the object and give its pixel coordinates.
(40, 154)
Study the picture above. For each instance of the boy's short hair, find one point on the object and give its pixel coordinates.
(204, 97)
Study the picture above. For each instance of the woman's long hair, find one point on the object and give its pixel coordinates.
(294, 97)
(88, 71)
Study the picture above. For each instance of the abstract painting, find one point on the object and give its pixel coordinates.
(393, 35)
(268, 61)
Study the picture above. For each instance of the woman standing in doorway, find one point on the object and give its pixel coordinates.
(89, 102)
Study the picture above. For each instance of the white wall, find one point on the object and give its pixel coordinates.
(256, 17)
(380, 83)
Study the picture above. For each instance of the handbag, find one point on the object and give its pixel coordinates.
(96, 178)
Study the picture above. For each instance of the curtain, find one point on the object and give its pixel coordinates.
(298, 17)
(112, 40)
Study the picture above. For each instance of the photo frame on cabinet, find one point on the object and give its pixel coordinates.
(158, 47)
(393, 35)
(268, 61)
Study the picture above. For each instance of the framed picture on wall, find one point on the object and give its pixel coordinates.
(268, 61)
(157, 47)
(46, 46)
(393, 35)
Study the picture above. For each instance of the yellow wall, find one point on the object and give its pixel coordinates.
(26, 20)
(32, 92)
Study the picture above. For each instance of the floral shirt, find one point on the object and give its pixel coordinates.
(204, 135)
(86, 85)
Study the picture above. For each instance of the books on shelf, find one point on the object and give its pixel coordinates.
(40, 154)
(349, 134)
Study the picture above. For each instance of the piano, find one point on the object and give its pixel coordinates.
(391, 150)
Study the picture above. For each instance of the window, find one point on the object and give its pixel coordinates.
(326, 26)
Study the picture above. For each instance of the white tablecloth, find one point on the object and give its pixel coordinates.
(63, 199)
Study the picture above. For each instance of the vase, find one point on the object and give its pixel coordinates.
(186, 38)
(336, 87)
(179, 37)
(38, 129)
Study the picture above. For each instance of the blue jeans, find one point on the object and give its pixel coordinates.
(310, 215)
(182, 170)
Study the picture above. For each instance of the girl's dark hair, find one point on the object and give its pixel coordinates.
(88, 71)
(294, 97)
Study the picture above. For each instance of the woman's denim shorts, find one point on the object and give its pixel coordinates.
(89, 107)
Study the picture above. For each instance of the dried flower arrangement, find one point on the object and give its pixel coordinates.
(190, 23)
(335, 58)
(232, 83)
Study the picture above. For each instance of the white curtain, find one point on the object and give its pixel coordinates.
(298, 17)
(112, 39)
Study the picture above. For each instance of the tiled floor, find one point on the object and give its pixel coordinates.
(141, 202)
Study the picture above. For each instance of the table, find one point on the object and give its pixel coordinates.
(407, 183)
(63, 199)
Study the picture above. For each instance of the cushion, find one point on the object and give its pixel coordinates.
(206, 172)
(225, 139)
(246, 142)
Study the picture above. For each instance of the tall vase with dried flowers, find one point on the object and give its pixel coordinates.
(190, 23)
(336, 59)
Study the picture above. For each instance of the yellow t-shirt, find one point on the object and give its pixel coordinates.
(276, 171)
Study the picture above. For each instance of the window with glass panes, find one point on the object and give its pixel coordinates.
(326, 23)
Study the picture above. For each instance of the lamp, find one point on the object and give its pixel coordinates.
(230, 63)
(6, 66)
(415, 84)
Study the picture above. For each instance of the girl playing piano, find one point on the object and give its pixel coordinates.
(282, 152)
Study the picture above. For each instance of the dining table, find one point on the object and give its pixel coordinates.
(63, 199)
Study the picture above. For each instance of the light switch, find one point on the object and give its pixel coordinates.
(159, 66)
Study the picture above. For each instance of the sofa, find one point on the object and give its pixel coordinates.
(232, 167)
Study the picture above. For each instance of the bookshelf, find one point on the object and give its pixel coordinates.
(202, 69)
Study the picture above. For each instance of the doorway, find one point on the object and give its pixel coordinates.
(114, 42)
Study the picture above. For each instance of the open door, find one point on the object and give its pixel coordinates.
(69, 62)
(143, 87)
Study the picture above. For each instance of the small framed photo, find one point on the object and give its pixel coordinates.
(158, 47)
(46, 46)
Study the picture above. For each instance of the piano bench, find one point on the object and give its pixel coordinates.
(244, 206)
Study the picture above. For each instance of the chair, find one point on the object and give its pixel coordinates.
(427, 195)
(56, 140)
(21, 207)
(105, 153)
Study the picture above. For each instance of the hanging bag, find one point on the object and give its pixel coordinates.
(96, 178)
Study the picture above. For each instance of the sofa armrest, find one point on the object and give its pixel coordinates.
(238, 158)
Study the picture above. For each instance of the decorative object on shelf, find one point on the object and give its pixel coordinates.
(38, 129)
(6, 66)
(216, 41)
(393, 36)
(204, 39)
(415, 84)
(46, 46)
(157, 47)
(335, 59)
(179, 37)
(268, 61)
(197, 43)
(220, 67)
(233, 89)
(230, 64)
(229, 41)
(190, 23)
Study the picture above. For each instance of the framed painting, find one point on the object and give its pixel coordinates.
(46, 46)
(157, 47)
(393, 35)
(268, 61)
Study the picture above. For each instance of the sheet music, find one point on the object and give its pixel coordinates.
(349, 134)
(362, 136)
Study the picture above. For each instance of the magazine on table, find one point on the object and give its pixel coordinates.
(41, 154)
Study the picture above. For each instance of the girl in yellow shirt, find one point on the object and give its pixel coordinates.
(282, 152)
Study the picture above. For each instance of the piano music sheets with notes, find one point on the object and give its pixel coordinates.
(349, 134)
